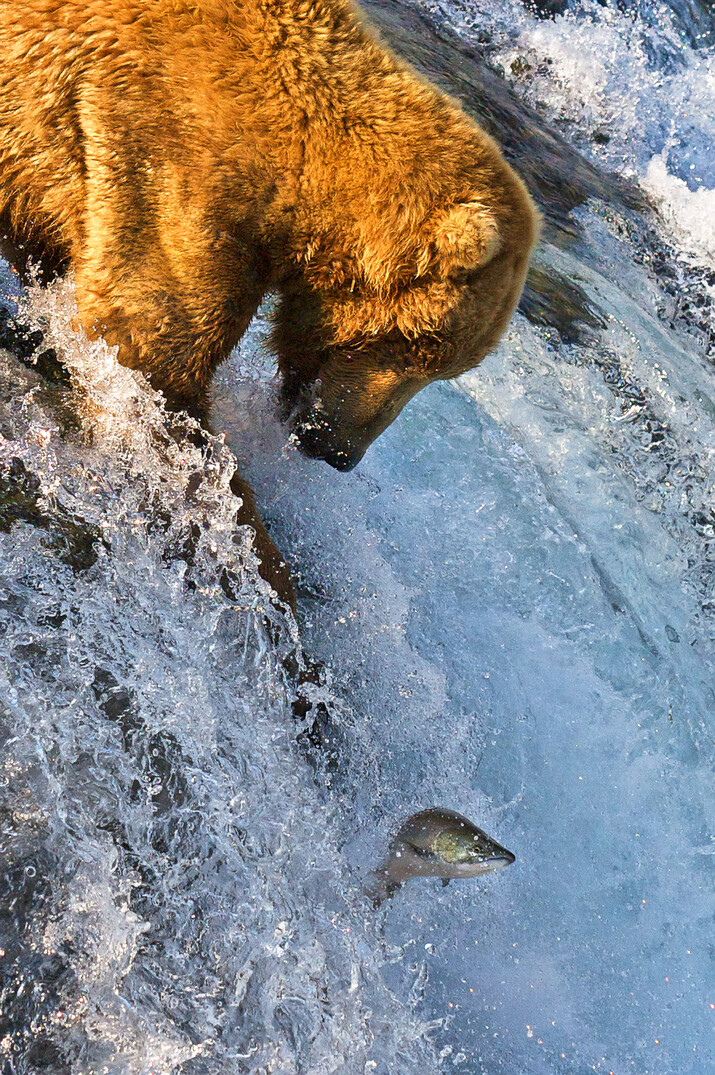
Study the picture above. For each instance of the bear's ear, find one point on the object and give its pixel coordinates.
(464, 237)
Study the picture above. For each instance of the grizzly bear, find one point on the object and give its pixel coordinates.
(184, 157)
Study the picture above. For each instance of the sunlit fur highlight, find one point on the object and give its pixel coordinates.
(184, 158)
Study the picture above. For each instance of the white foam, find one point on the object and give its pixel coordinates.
(690, 214)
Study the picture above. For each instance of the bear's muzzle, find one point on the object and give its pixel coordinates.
(316, 440)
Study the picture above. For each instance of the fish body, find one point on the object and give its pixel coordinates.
(438, 843)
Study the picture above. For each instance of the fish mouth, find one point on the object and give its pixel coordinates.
(498, 862)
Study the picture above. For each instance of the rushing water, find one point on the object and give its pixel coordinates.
(512, 597)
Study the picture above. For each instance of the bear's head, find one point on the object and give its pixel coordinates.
(358, 336)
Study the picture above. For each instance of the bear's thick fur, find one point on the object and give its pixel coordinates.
(186, 156)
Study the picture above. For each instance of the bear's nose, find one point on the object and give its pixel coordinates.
(341, 461)
(316, 440)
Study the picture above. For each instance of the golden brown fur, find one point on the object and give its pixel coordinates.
(186, 157)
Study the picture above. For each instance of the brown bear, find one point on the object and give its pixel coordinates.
(184, 157)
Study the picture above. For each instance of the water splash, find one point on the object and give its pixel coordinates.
(175, 894)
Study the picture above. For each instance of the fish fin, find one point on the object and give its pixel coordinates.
(445, 881)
